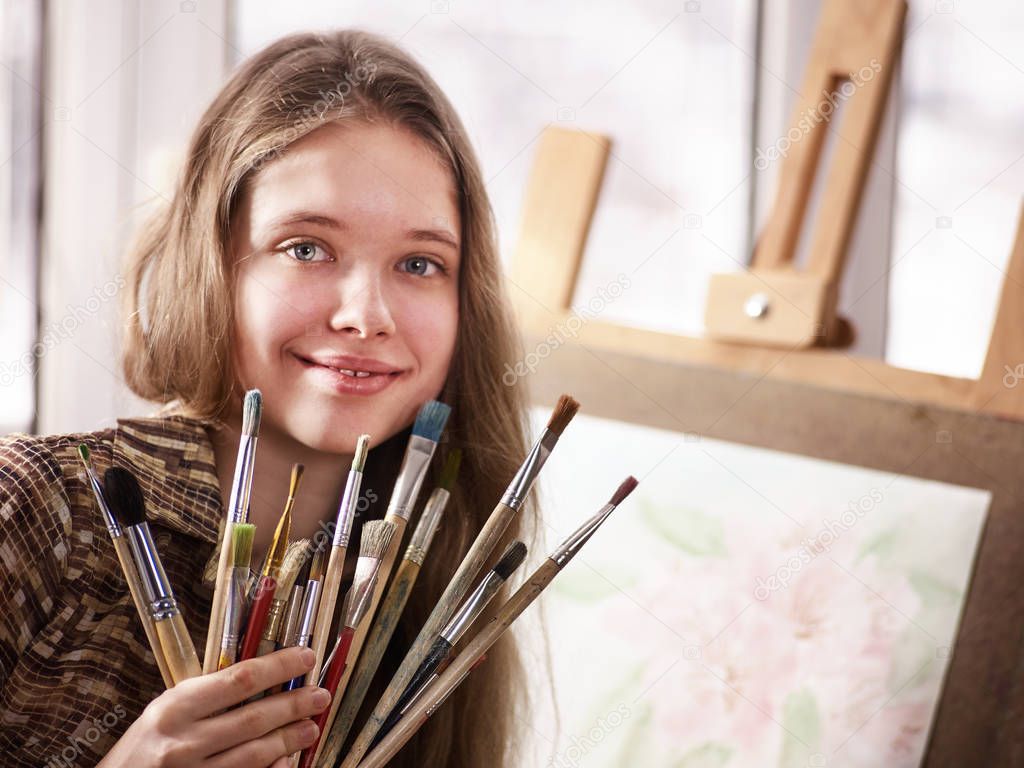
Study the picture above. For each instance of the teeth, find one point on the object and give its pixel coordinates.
(356, 374)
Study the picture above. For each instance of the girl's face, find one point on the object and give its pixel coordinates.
(347, 260)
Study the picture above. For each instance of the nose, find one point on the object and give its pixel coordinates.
(363, 309)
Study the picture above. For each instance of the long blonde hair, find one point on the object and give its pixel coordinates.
(178, 332)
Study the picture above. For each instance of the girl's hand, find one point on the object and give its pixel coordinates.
(188, 726)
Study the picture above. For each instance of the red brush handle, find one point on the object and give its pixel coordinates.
(331, 681)
(258, 617)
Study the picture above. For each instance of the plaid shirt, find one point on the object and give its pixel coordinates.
(75, 667)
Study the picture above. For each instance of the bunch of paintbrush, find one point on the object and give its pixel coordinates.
(426, 433)
(485, 542)
(398, 594)
(436, 693)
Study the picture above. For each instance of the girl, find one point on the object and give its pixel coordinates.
(331, 222)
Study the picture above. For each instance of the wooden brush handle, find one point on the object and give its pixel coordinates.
(177, 645)
(220, 593)
(325, 613)
(376, 643)
(464, 577)
(131, 575)
(461, 665)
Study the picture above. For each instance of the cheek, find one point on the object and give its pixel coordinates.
(268, 311)
(430, 329)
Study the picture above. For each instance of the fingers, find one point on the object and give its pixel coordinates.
(268, 749)
(252, 721)
(218, 691)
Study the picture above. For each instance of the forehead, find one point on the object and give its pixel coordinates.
(357, 169)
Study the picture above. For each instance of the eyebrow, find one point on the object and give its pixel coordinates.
(441, 236)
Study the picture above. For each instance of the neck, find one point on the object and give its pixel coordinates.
(318, 494)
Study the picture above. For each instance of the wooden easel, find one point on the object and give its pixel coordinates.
(808, 400)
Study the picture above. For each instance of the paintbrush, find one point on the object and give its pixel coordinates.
(266, 585)
(398, 594)
(485, 542)
(453, 632)
(510, 611)
(237, 512)
(426, 432)
(124, 557)
(242, 535)
(339, 546)
(294, 557)
(374, 539)
(125, 500)
(310, 603)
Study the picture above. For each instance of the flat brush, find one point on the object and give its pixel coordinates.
(373, 543)
(266, 585)
(126, 502)
(426, 433)
(469, 569)
(339, 546)
(310, 603)
(481, 643)
(124, 557)
(397, 595)
(242, 535)
(237, 512)
(454, 630)
(294, 557)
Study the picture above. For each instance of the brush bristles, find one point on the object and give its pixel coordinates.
(279, 546)
(293, 483)
(241, 544)
(375, 538)
(565, 409)
(124, 496)
(359, 457)
(431, 419)
(316, 570)
(451, 469)
(294, 559)
(252, 411)
(83, 451)
(624, 490)
(512, 559)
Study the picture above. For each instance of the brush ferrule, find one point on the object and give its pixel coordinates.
(113, 527)
(238, 502)
(163, 608)
(472, 608)
(427, 526)
(410, 477)
(568, 548)
(520, 486)
(151, 571)
(274, 617)
(291, 620)
(347, 509)
(363, 584)
(308, 616)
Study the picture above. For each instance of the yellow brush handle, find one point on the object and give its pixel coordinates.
(220, 593)
(325, 614)
(135, 588)
(178, 647)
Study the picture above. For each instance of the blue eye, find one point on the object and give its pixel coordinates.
(306, 251)
(420, 265)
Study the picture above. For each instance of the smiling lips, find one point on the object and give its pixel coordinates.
(353, 375)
